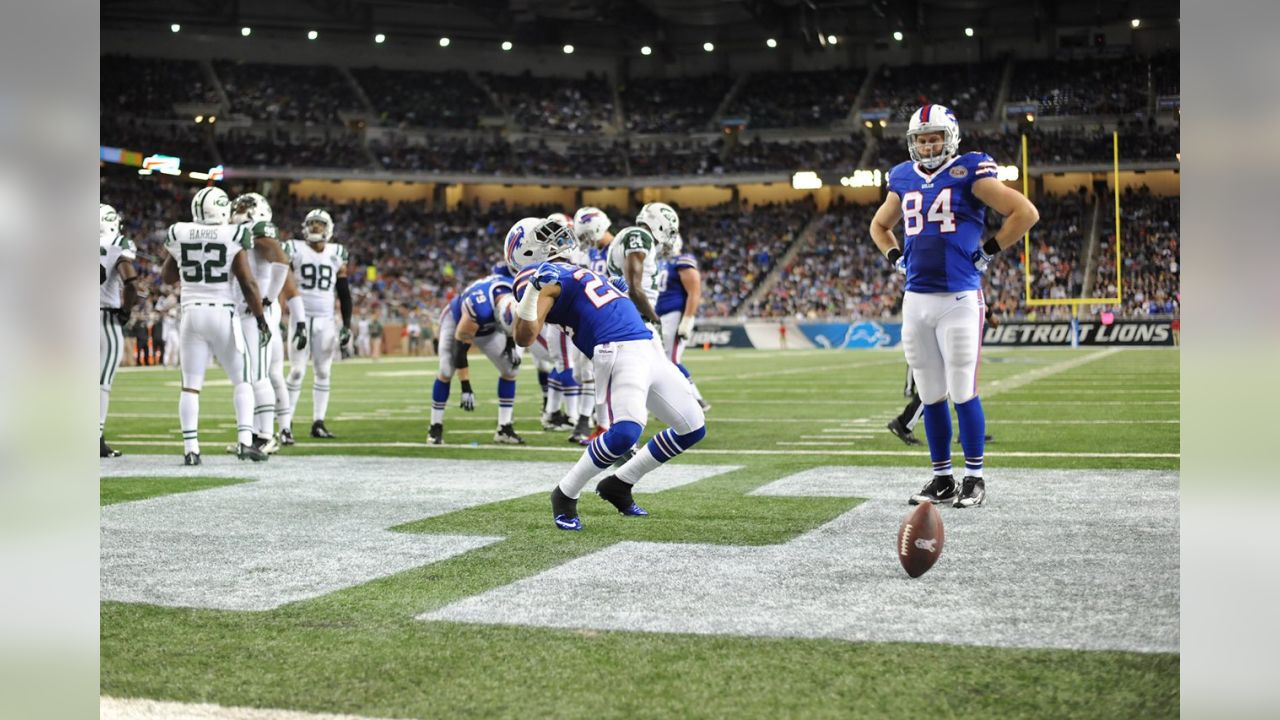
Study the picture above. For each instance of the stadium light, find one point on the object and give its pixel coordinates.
(380, 38)
(868, 124)
(1135, 23)
(646, 50)
(213, 119)
(897, 35)
(709, 47)
(246, 31)
(312, 34)
(1031, 117)
(175, 27)
(884, 123)
(506, 45)
(199, 119)
(806, 180)
(771, 43)
(968, 32)
(568, 49)
(444, 42)
(832, 39)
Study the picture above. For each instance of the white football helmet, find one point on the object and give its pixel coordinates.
(677, 246)
(250, 207)
(662, 221)
(319, 216)
(211, 206)
(108, 223)
(589, 225)
(533, 240)
(934, 119)
(562, 218)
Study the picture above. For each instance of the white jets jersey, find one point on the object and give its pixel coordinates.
(204, 254)
(260, 268)
(317, 274)
(110, 284)
(636, 240)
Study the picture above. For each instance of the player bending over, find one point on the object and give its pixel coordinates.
(608, 329)
(941, 199)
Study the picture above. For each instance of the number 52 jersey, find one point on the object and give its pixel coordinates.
(204, 254)
(317, 274)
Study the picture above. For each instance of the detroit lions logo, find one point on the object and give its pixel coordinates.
(870, 334)
(930, 545)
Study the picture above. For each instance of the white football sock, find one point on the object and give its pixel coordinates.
(243, 397)
(319, 399)
(264, 405)
(104, 399)
(189, 420)
(585, 469)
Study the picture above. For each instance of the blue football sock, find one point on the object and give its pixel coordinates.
(973, 428)
(937, 428)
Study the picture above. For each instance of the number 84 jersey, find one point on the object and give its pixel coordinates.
(942, 222)
(317, 274)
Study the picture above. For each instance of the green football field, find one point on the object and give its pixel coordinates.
(757, 588)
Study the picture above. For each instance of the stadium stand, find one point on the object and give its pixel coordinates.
(310, 94)
(672, 105)
(969, 90)
(567, 105)
(414, 98)
(799, 99)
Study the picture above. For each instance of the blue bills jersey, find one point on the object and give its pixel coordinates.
(591, 307)
(672, 295)
(480, 301)
(598, 261)
(942, 222)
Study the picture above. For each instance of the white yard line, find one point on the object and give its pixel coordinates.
(142, 709)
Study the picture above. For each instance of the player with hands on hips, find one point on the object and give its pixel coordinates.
(940, 197)
(608, 329)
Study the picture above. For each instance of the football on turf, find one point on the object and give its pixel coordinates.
(920, 539)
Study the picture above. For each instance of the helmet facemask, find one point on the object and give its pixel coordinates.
(108, 223)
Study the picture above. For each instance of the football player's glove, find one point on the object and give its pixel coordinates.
(344, 336)
(981, 260)
(656, 327)
(300, 336)
(122, 315)
(545, 274)
(264, 331)
(511, 353)
(685, 329)
(468, 398)
(900, 265)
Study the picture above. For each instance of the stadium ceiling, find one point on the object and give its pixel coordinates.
(674, 26)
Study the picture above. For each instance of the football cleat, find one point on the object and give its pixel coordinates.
(251, 452)
(435, 434)
(704, 405)
(565, 510)
(286, 437)
(507, 435)
(557, 420)
(581, 430)
(271, 446)
(973, 492)
(618, 494)
(942, 488)
(318, 430)
(904, 434)
(233, 448)
(191, 458)
(104, 450)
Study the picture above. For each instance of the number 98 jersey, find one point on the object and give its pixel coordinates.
(203, 254)
(942, 222)
(316, 272)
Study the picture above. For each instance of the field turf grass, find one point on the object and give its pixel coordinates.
(361, 651)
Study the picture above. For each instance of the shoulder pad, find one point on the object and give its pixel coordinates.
(265, 229)
(245, 237)
(172, 238)
(636, 239)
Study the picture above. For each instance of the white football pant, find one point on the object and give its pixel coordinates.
(942, 339)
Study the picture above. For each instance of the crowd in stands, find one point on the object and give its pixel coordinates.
(671, 105)
(310, 94)
(149, 87)
(765, 156)
(969, 89)
(478, 154)
(1091, 86)
(179, 138)
(796, 99)
(1074, 146)
(415, 98)
(840, 273)
(569, 105)
(1165, 73)
(337, 147)
(1150, 260)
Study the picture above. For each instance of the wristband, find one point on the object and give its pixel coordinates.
(466, 386)
(527, 310)
(991, 247)
(893, 255)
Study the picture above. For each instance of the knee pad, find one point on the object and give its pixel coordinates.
(622, 436)
(295, 376)
(322, 375)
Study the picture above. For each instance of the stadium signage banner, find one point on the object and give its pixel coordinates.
(865, 334)
(1121, 332)
(720, 336)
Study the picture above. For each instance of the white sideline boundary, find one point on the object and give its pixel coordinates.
(143, 709)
